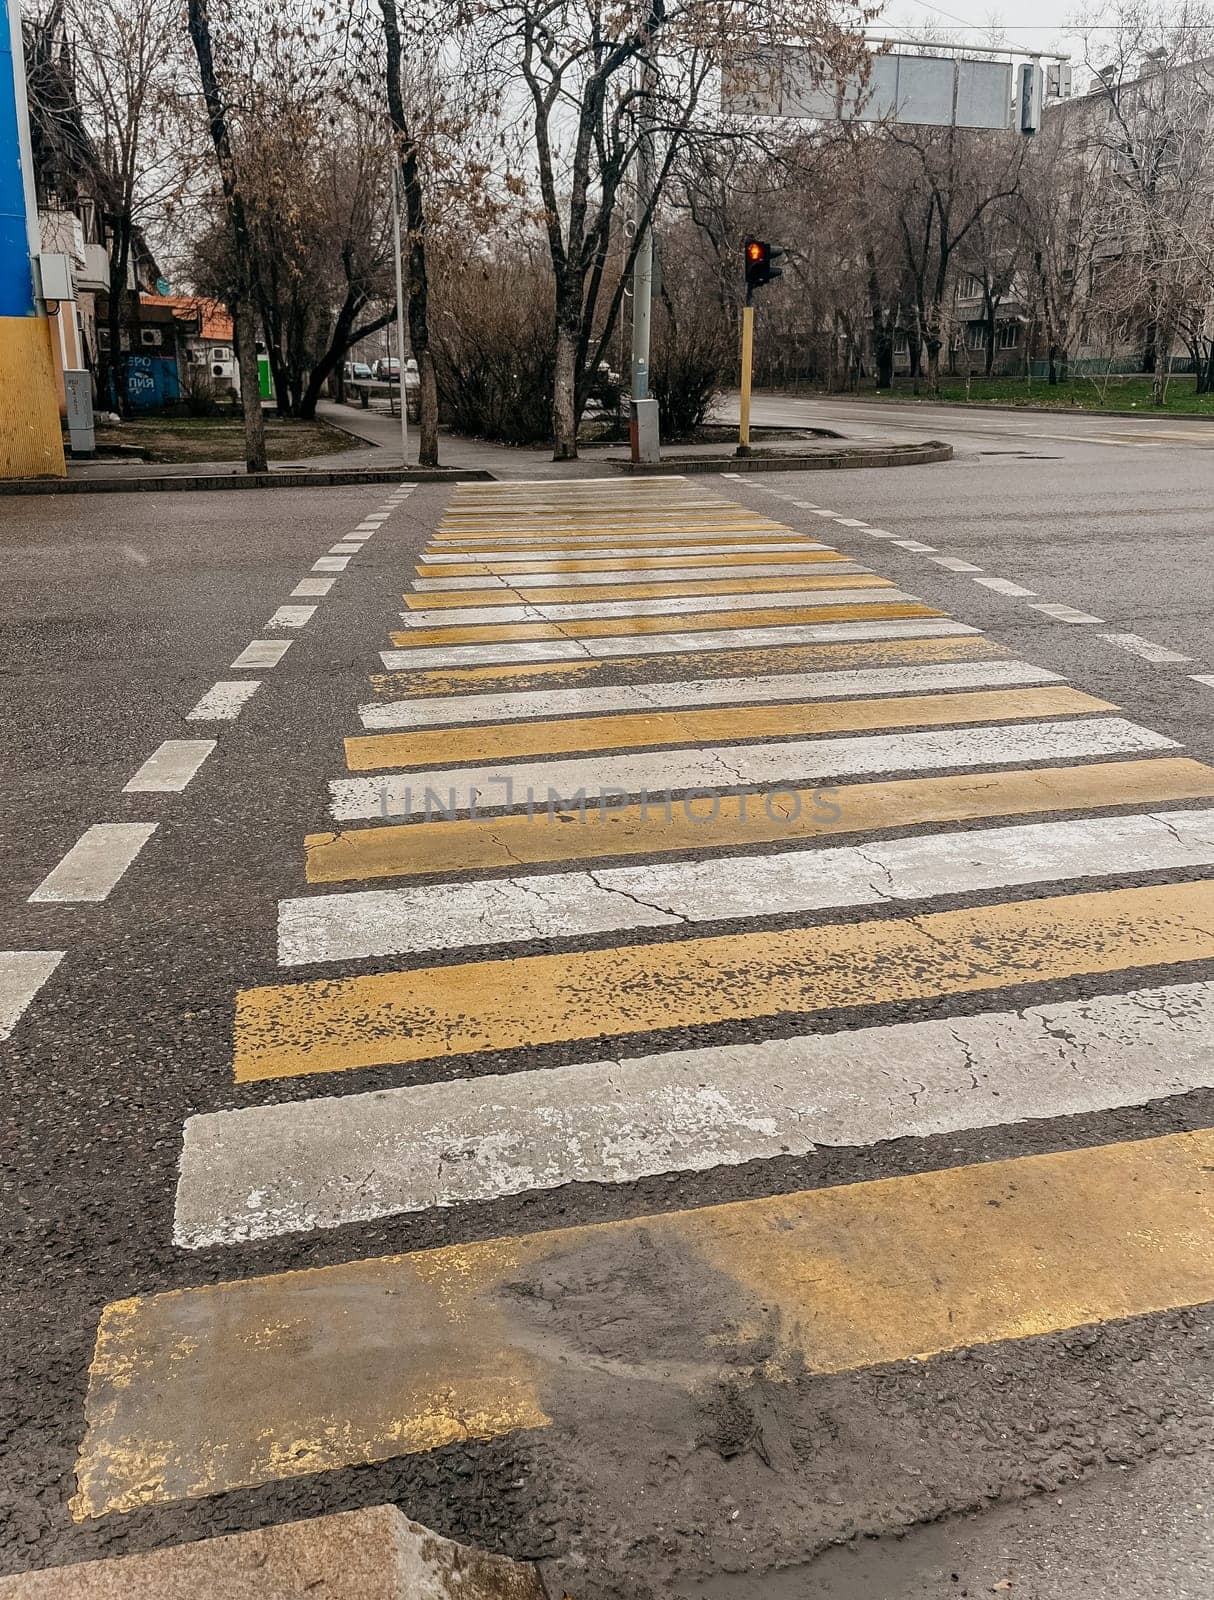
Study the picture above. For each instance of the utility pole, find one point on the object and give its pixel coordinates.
(644, 434)
(400, 319)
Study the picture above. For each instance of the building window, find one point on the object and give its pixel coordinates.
(976, 336)
(969, 288)
(901, 343)
(1009, 335)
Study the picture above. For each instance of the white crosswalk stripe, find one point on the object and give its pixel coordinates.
(388, 922)
(720, 770)
(624, 574)
(324, 1163)
(473, 655)
(451, 710)
(679, 605)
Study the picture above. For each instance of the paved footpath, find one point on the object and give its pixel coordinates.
(731, 1070)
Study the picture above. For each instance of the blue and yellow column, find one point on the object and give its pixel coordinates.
(31, 441)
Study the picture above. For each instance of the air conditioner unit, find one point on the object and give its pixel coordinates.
(150, 336)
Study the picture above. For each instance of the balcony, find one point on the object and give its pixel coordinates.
(94, 272)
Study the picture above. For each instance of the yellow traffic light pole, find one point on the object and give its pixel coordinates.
(748, 346)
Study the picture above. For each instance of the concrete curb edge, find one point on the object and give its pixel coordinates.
(911, 455)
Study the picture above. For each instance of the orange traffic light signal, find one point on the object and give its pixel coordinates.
(758, 257)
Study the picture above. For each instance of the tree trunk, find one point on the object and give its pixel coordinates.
(409, 168)
(199, 25)
(933, 365)
(250, 388)
(564, 394)
(883, 335)
(989, 335)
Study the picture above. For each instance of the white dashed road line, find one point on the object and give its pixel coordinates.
(915, 545)
(954, 564)
(331, 564)
(1006, 586)
(262, 653)
(309, 588)
(22, 974)
(1146, 648)
(268, 1170)
(170, 767)
(346, 547)
(95, 863)
(292, 617)
(1063, 613)
(224, 700)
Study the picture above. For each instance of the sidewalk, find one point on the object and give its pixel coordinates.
(381, 459)
(504, 461)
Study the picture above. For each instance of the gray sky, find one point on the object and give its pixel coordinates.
(1029, 24)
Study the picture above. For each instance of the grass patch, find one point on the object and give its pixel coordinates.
(1077, 394)
(221, 438)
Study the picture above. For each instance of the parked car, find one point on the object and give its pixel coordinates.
(356, 369)
(387, 367)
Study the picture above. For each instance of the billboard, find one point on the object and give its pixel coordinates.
(941, 91)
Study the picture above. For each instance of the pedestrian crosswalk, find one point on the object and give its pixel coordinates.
(672, 842)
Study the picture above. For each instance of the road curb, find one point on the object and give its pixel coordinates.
(908, 455)
(191, 483)
(1095, 413)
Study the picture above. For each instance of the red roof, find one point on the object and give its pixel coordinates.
(216, 323)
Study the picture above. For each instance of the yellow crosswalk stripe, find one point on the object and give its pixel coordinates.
(205, 1390)
(337, 1025)
(639, 563)
(653, 543)
(428, 747)
(676, 622)
(468, 844)
(691, 663)
(513, 595)
(637, 527)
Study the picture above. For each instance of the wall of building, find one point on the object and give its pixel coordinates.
(31, 441)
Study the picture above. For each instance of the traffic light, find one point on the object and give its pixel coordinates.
(758, 256)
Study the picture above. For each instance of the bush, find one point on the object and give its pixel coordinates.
(198, 390)
(492, 340)
(692, 359)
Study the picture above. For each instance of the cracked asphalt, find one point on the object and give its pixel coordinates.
(1025, 1459)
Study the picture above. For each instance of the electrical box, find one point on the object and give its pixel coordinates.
(1030, 86)
(1058, 81)
(643, 430)
(78, 392)
(55, 270)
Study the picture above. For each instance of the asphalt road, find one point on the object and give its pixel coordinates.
(675, 1406)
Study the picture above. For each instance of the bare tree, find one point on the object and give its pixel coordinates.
(243, 260)
(104, 111)
(600, 85)
(1149, 117)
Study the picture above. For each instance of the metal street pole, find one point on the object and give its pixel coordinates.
(643, 422)
(748, 345)
(400, 321)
